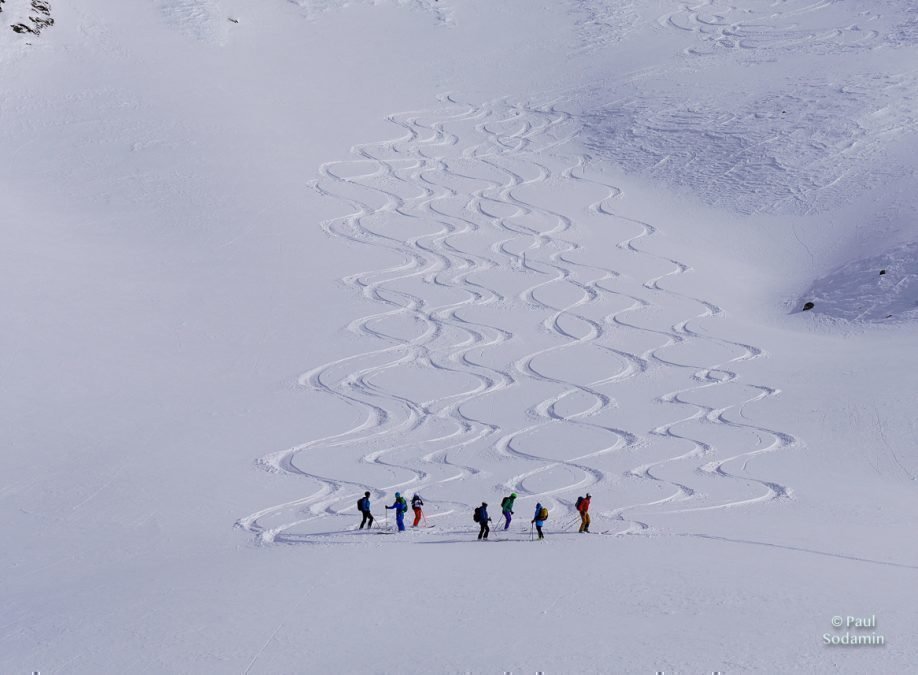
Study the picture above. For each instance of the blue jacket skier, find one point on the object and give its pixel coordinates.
(400, 506)
(539, 518)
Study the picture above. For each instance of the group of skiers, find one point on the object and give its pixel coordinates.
(400, 505)
(480, 516)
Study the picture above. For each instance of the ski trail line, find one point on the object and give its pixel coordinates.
(470, 356)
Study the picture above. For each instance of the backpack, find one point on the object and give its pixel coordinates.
(504, 502)
(404, 503)
(579, 502)
(543, 514)
(477, 515)
(361, 504)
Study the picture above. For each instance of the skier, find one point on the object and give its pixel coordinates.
(482, 518)
(416, 504)
(363, 505)
(506, 506)
(539, 518)
(400, 506)
(583, 506)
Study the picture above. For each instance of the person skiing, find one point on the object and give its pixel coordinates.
(583, 506)
(363, 505)
(482, 518)
(506, 506)
(539, 518)
(400, 506)
(416, 504)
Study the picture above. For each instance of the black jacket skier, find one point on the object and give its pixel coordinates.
(364, 506)
(483, 520)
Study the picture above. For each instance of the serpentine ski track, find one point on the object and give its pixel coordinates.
(504, 353)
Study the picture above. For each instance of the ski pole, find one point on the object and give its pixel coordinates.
(530, 531)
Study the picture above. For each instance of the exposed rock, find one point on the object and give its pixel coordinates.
(40, 19)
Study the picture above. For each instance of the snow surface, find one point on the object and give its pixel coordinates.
(260, 258)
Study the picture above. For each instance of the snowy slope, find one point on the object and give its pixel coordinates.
(263, 258)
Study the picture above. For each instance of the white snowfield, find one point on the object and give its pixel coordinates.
(260, 258)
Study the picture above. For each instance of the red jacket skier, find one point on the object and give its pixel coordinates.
(584, 507)
(416, 504)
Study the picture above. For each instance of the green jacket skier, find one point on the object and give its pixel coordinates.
(506, 507)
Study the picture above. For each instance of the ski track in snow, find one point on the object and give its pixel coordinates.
(766, 25)
(806, 144)
(756, 29)
(794, 153)
(451, 200)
